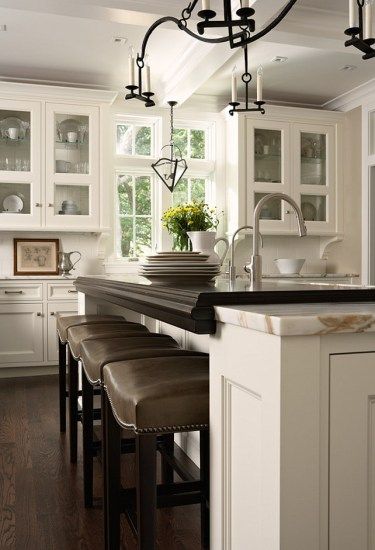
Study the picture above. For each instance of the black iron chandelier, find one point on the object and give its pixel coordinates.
(240, 27)
(246, 79)
(360, 27)
(171, 168)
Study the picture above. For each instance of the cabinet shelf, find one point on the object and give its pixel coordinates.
(267, 157)
(313, 160)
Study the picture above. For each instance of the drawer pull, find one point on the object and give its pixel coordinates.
(13, 291)
(52, 313)
(72, 291)
(38, 205)
(39, 314)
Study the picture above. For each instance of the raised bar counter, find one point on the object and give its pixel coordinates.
(192, 307)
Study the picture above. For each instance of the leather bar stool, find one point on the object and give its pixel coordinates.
(153, 396)
(76, 335)
(62, 325)
(95, 354)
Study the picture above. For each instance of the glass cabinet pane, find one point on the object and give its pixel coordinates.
(314, 208)
(72, 200)
(15, 198)
(267, 156)
(313, 159)
(271, 210)
(15, 141)
(72, 144)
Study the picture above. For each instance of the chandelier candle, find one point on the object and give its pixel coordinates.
(260, 84)
(234, 85)
(148, 76)
(206, 5)
(131, 66)
(368, 21)
(352, 13)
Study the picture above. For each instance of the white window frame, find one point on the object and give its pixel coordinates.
(137, 121)
(208, 128)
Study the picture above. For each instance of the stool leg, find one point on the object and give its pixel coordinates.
(166, 469)
(112, 479)
(146, 491)
(88, 435)
(103, 405)
(62, 385)
(205, 478)
(73, 405)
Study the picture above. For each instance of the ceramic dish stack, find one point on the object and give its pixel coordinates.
(179, 267)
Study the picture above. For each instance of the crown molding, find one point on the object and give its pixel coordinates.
(353, 98)
(56, 91)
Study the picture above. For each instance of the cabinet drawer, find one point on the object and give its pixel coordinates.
(21, 292)
(62, 291)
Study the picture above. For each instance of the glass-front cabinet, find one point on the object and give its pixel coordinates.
(315, 174)
(296, 159)
(20, 181)
(268, 152)
(72, 178)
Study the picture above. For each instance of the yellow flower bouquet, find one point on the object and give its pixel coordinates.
(194, 216)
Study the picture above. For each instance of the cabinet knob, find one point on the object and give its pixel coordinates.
(38, 204)
(52, 313)
(51, 205)
(39, 314)
(287, 211)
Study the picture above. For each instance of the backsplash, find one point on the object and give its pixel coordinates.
(86, 244)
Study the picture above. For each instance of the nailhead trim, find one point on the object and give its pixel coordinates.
(163, 429)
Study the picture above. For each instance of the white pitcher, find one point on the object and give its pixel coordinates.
(205, 241)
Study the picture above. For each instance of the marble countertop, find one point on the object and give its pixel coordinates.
(301, 319)
(35, 278)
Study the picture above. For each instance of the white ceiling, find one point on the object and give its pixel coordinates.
(71, 41)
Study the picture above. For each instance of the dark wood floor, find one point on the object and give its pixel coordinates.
(41, 503)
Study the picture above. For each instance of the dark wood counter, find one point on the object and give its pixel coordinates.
(192, 307)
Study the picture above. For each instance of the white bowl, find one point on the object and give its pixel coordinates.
(289, 266)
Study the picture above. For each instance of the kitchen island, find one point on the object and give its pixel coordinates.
(292, 406)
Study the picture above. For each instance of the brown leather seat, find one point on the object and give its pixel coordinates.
(97, 353)
(77, 334)
(163, 394)
(64, 323)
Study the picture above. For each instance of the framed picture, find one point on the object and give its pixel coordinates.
(36, 256)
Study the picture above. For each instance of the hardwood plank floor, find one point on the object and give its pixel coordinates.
(41, 504)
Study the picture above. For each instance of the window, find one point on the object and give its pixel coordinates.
(191, 142)
(134, 140)
(134, 198)
(191, 189)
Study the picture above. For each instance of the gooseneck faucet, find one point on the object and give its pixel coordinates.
(255, 268)
(232, 266)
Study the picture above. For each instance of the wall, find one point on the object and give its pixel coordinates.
(346, 255)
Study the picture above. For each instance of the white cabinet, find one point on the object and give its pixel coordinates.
(21, 334)
(352, 452)
(28, 320)
(72, 166)
(292, 151)
(20, 164)
(52, 159)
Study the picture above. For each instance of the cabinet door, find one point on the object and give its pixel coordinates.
(64, 308)
(352, 452)
(314, 175)
(72, 166)
(20, 163)
(268, 170)
(21, 334)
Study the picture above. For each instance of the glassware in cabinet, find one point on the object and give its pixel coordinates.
(72, 151)
(15, 140)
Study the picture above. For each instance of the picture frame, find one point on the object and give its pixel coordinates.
(36, 256)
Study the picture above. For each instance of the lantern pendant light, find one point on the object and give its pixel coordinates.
(171, 168)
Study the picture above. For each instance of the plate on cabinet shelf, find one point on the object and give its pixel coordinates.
(13, 204)
(309, 211)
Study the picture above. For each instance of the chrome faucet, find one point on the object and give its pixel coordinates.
(232, 267)
(255, 268)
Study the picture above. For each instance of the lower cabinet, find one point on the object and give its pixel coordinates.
(63, 308)
(21, 334)
(28, 320)
(352, 452)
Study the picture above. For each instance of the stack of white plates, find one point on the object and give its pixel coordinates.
(179, 267)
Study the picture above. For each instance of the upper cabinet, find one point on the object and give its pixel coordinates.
(292, 151)
(52, 166)
(20, 164)
(72, 162)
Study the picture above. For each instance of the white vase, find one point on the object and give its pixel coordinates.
(205, 241)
